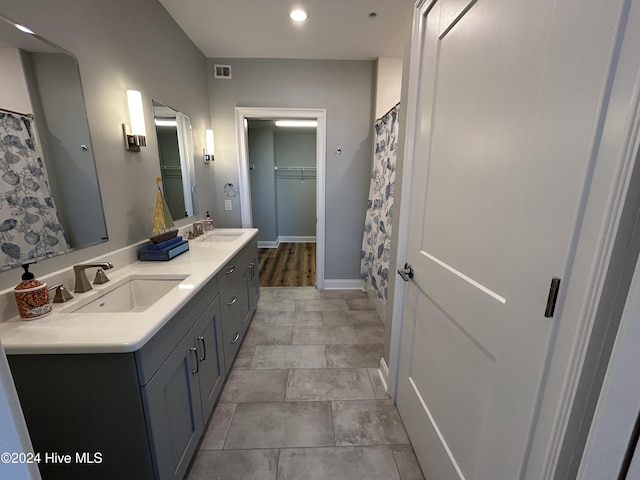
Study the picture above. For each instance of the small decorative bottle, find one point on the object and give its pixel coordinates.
(208, 222)
(32, 296)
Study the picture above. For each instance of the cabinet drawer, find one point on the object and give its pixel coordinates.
(229, 271)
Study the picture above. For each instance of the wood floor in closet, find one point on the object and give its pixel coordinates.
(289, 265)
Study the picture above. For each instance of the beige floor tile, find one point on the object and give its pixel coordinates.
(367, 422)
(354, 318)
(297, 293)
(354, 356)
(407, 462)
(354, 463)
(360, 304)
(328, 305)
(329, 384)
(216, 433)
(275, 305)
(281, 424)
(294, 319)
(370, 334)
(289, 356)
(376, 382)
(267, 335)
(244, 357)
(323, 335)
(255, 386)
(235, 465)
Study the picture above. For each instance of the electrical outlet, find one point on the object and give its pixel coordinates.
(227, 204)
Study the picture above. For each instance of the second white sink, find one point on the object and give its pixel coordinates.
(134, 293)
(221, 235)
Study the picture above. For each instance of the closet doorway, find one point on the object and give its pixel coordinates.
(281, 171)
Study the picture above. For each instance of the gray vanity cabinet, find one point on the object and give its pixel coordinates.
(143, 411)
(181, 394)
(173, 411)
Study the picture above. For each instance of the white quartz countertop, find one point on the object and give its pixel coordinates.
(61, 332)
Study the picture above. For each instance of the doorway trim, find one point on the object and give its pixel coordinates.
(242, 116)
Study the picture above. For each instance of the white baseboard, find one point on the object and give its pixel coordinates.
(340, 284)
(383, 371)
(265, 244)
(285, 239)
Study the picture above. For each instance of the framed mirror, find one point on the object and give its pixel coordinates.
(175, 148)
(50, 201)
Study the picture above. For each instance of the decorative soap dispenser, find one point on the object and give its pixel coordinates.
(208, 222)
(32, 296)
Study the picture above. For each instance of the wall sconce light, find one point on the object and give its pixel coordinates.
(210, 148)
(135, 135)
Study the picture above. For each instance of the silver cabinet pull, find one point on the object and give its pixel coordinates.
(230, 270)
(204, 348)
(234, 299)
(252, 270)
(194, 350)
(236, 338)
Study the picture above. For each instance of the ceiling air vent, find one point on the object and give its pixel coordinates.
(222, 71)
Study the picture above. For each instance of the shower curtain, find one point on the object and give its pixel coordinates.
(376, 242)
(29, 226)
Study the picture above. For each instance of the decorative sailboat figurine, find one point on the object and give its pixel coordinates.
(163, 227)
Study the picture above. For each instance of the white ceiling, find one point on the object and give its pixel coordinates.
(335, 29)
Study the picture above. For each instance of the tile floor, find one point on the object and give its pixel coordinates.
(304, 399)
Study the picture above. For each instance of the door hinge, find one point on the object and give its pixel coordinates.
(553, 297)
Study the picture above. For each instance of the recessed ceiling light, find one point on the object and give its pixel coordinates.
(24, 29)
(298, 15)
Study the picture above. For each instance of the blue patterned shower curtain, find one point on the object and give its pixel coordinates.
(376, 243)
(29, 226)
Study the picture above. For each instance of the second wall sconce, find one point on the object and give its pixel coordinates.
(135, 135)
(210, 148)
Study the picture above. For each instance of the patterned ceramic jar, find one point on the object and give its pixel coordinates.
(32, 297)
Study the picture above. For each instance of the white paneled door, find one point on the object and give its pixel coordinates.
(509, 96)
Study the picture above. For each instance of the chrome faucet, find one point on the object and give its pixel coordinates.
(82, 282)
(196, 230)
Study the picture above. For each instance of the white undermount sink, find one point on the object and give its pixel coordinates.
(134, 293)
(219, 236)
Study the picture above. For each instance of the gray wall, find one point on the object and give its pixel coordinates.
(345, 89)
(263, 185)
(296, 198)
(120, 45)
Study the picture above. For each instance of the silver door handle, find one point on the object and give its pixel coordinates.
(204, 348)
(195, 354)
(406, 273)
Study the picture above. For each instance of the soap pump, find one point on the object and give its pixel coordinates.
(208, 222)
(32, 296)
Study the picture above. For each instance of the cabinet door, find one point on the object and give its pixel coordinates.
(230, 301)
(208, 334)
(173, 411)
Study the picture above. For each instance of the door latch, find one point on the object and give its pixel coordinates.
(406, 273)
